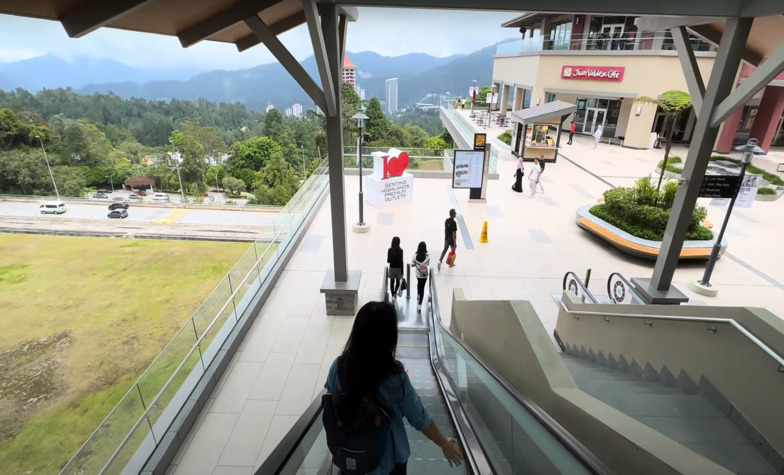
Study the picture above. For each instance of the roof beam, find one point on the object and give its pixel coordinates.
(223, 20)
(96, 14)
(276, 28)
(712, 35)
(753, 84)
(691, 70)
(320, 51)
(287, 60)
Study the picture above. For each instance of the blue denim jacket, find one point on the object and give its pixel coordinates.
(400, 398)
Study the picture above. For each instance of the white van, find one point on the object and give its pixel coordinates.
(160, 197)
(53, 207)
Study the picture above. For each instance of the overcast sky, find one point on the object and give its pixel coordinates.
(390, 32)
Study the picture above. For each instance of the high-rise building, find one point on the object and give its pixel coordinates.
(349, 71)
(391, 95)
(269, 107)
(361, 93)
(297, 110)
(289, 112)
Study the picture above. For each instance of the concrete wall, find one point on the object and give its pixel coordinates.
(518, 70)
(736, 367)
(510, 338)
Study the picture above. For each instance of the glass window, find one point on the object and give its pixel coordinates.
(604, 104)
(591, 102)
(581, 104)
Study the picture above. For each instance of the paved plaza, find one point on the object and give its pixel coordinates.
(283, 362)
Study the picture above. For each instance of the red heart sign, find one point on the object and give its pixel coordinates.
(396, 166)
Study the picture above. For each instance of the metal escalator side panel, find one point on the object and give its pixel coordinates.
(572, 283)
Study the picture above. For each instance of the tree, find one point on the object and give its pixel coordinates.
(351, 105)
(215, 175)
(481, 96)
(234, 185)
(377, 126)
(193, 165)
(253, 153)
(273, 125)
(672, 103)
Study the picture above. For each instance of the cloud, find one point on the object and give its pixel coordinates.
(390, 32)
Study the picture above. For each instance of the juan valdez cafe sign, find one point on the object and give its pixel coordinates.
(592, 73)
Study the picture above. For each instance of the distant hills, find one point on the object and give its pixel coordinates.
(419, 74)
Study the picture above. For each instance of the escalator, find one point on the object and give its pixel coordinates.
(499, 431)
(619, 290)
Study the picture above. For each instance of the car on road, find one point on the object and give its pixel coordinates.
(160, 197)
(118, 214)
(104, 191)
(100, 196)
(53, 207)
(139, 192)
(118, 206)
(134, 198)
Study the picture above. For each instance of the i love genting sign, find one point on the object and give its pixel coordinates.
(389, 184)
(593, 73)
(391, 164)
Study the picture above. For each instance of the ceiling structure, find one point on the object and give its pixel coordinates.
(223, 20)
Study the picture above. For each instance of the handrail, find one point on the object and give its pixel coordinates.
(476, 457)
(384, 297)
(591, 461)
(628, 284)
(727, 321)
(197, 346)
(580, 284)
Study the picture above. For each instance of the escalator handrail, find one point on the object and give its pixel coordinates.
(588, 458)
(384, 296)
(625, 281)
(285, 449)
(579, 283)
(476, 458)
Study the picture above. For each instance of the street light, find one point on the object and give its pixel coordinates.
(749, 150)
(473, 99)
(360, 227)
(182, 192)
(111, 180)
(47, 166)
(302, 149)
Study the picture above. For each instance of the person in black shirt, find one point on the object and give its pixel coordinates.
(395, 261)
(450, 236)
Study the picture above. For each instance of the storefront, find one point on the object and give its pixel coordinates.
(593, 111)
(537, 130)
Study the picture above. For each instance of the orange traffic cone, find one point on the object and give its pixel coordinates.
(483, 239)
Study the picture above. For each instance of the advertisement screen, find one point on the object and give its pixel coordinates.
(469, 169)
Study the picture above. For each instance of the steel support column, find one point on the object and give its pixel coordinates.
(690, 69)
(722, 79)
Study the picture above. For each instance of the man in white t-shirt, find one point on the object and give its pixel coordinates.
(534, 176)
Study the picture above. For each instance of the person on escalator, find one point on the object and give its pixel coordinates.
(421, 262)
(368, 370)
(395, 261)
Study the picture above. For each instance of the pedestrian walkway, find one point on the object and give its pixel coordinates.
(532, 242)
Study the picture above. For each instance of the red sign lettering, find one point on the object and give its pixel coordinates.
(593, 73)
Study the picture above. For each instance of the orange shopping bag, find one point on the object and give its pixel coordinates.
(450, 259)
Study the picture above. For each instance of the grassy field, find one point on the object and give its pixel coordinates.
(81, 319)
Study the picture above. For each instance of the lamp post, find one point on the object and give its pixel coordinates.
(360, 227)
(473, 99)
(703, 286)
(111, 180)
(47, 166)
(182, 192)
(304, 172)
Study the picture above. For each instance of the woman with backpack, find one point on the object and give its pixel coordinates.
(395, 261)
(367, 379)
(421, 262)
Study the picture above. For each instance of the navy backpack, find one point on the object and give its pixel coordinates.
(357, 432)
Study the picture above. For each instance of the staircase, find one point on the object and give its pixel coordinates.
(694, 415)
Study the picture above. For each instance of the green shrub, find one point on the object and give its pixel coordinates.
(671, 167)
(766, 191)
(506, 137)
(643, 213)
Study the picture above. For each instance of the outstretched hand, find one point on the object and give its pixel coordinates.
(452, 452)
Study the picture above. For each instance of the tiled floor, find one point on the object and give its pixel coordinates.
(283, 362)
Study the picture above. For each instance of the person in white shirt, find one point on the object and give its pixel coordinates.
(534, 177)
(421, 261)
(597, 136)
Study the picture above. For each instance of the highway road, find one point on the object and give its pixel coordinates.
(146, 214)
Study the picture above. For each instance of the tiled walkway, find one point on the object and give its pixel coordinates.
(283, 362)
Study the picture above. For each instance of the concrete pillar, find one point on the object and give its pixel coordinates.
(768, 115)
(547, 25)
(505, 99)
(519, 99)
(728, 131)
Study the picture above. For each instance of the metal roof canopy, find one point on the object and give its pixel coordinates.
(545, 112)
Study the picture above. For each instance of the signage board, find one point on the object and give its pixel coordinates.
(719, 186)
(593, 73)
(748, 191)
(390, 191)
(469, 169)
(480, 141)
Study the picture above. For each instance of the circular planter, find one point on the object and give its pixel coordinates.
(692, 250)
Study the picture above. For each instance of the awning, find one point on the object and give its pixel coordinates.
(139, 181)
(543, 113)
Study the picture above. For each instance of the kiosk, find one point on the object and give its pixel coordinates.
(537, 130)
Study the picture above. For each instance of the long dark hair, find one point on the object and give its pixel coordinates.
(369, 356)
(396, 243)
(421, 251)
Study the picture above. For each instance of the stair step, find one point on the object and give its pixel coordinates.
(635, 386)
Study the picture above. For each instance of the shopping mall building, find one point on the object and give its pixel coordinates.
(602, 64)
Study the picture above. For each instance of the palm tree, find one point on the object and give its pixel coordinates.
(672, 103)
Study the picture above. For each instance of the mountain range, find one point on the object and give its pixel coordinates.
(418, 74)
